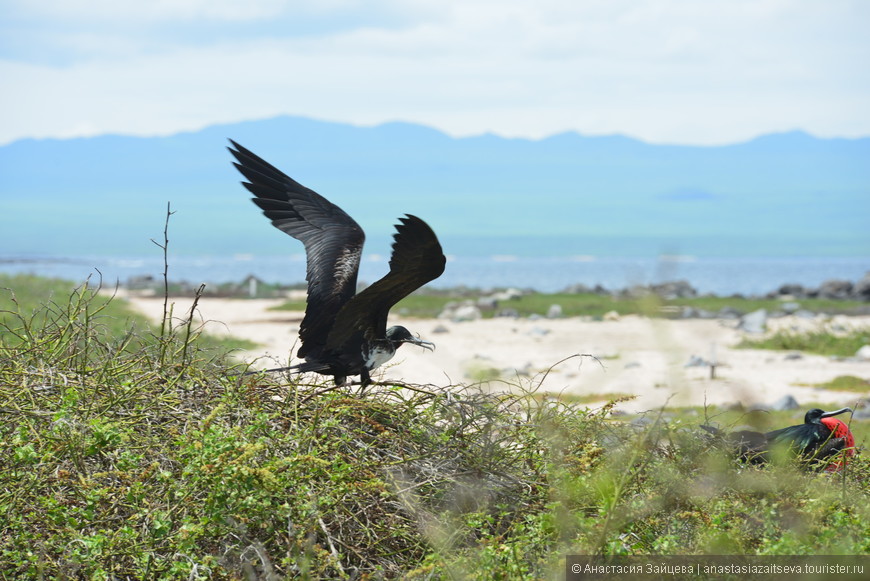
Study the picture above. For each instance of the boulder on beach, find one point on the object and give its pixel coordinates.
(489, 303)
(835, 289)
(861, 289)
(582, 289)
(510, 294)
(696, 361)
(507, 312)
(466, 313)
(754, 322)
(785, 403)
(677, 289)
(554, 312)
(727, 312)
(792, 290)
(460, 312)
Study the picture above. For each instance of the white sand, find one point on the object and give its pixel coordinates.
(639, 356)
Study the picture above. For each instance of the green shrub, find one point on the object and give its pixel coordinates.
(162, 462)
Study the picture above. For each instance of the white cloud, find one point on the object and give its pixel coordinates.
(665, 71)
(150, 10)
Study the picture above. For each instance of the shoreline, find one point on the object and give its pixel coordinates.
(722, 277)
(253, 287)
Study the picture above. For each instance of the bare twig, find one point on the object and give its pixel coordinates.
(165, 324)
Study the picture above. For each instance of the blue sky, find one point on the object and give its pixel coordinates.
(666, 71)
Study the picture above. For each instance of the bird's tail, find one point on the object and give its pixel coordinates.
(273, 370)
(711, 429)
(298, 368)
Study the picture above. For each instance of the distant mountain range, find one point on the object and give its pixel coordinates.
(569, 194)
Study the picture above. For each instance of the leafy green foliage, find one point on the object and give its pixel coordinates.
(162, 462)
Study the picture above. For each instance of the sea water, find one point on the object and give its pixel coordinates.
(717, 275)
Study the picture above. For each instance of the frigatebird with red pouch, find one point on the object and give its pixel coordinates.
(818, 441)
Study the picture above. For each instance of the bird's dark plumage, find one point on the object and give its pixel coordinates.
(818, 438)
(342, 333)
(816, 441)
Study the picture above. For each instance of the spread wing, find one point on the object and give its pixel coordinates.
(417, 259)
(333, 241)
(802, 437)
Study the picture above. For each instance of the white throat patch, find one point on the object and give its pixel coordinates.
(377, 357)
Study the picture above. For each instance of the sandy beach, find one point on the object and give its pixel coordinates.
(632, 354)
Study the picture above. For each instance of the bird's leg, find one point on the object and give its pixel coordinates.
(364, 378)
(340, 380)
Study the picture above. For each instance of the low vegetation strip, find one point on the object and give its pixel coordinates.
(43, 304)
(163, 462)
(822, 342)
(427, 305)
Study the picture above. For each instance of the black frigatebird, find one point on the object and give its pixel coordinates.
(343, 333)
(817, 440)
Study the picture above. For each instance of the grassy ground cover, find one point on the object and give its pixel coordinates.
(34, 302)
(844, 344)
(847, 383)
(163, 462)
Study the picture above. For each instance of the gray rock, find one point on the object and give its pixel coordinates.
(449, 309)
(688, 312)
(794, 356)
(804, 314)
(861, 290)
(487, 303)
(632, 365)
(695, 361)
(727, 312)
(835, 289)
(466, 313)
(863, 411)
(786, 402)
(524, 371)
(440, 329)
(754, 322)
(510, 313)
(792, 290)
(790, 307)
(863, 353)
(510, 294)
(554, 312)
(578, 289)
(677, 289)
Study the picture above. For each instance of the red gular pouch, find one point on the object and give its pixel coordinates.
(839, 429)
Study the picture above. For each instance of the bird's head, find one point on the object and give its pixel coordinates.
(815, 415)
(399, 335)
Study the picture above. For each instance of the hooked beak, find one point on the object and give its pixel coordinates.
(837, 412)
(421, 343)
